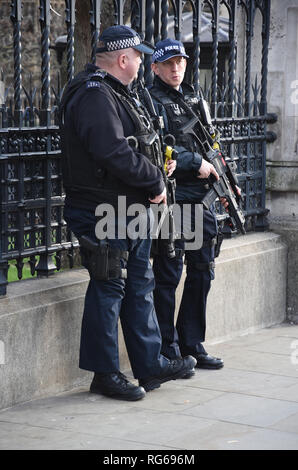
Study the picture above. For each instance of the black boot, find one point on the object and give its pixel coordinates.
(175, 369)
(205, 361)
(117, 386)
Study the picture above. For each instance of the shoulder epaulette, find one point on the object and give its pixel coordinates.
(98, 75)
(92, 84)
(94, 79)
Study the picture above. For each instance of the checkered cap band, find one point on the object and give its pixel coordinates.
(168, 50)
(158, 54)
(123, 43)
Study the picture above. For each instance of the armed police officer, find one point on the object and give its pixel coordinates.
(99, 118)
(173, 101)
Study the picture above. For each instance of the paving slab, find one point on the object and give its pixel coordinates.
(256, 439)
(250, 404)
(247, 382)
(22, 437)
(220, 435)
(289, 424)
(246, 359)
(244, 409)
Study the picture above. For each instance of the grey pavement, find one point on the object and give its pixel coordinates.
(250, 404)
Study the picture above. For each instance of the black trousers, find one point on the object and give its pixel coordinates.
(129, 300)
(189, 332)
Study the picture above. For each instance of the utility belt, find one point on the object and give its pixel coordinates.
(102, 262)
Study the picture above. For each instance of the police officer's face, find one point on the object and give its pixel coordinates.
(133, 62)
(171, 71)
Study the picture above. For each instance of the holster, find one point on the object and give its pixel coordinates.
(162, 248)
(102, 261)
(215, 242)
(219, 240)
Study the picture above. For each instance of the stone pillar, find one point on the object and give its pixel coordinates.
(282, 156)
(1, 92)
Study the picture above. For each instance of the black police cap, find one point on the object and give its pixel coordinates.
(119, 37)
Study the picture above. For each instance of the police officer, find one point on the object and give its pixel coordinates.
(99, 119)
(172, 99)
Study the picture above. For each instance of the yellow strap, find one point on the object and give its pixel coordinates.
(168, 155)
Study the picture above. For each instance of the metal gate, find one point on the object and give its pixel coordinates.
(32, 224)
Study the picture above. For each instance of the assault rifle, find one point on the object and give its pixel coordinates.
(169, 154)
(226, 187)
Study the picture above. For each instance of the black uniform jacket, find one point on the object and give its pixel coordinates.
(98, 163)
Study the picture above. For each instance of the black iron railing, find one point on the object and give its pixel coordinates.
(32, 224)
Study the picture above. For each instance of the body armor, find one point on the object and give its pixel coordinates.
(177, 115)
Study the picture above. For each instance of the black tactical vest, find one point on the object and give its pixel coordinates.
(148, 142)
(178, 113)
(145, 139)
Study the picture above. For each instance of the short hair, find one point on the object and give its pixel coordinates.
(107, 57)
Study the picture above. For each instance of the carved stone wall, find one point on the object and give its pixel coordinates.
(31, 41)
